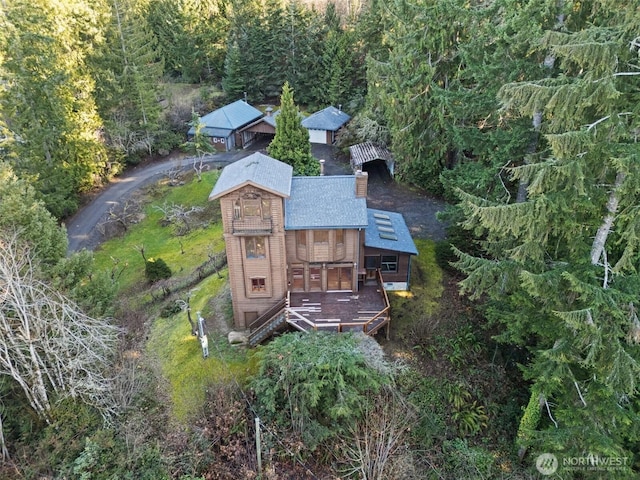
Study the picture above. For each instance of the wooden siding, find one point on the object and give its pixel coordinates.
(404, 260)
(242, 269)
(329, 252)
(219, 143)
(315, 261)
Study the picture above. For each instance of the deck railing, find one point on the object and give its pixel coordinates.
(368, 325)
(282, 313)
(252, 226)
(269, 314)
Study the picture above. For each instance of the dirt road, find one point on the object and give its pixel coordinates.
(81, 228)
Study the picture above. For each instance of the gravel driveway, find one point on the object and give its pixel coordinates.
(418, 209)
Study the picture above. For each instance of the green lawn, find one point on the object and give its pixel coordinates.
(121, 253)
(180, 355)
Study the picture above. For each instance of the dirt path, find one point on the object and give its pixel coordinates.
(418, 209)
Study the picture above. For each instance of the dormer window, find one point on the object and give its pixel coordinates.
(321, 236)
(251, 208)
(266, 209)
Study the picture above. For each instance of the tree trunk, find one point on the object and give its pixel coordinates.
(597, 247)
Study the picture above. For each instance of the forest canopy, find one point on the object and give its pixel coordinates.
(523, 115)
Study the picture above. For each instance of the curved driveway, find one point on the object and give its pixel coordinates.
(419, 210)
(81, 228)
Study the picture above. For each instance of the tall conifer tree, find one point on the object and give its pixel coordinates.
(561, 269)
(130, 70)
(291, 143)
(47, 96)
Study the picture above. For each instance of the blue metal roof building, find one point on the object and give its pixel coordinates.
(324, 125)
(222, 125)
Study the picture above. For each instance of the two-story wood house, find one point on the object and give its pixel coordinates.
(305, 250)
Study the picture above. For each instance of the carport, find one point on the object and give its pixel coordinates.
(363, 153)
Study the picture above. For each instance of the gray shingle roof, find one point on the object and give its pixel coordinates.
(328, 119)
(388, 231)
(229, 117)
(324, 202)
(257, 169)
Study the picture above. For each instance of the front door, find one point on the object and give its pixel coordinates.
(315, 279)
(371, 264)
(339, 278)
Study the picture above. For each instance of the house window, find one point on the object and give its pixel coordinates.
(339, 237)
(266, 209)
(301, 238)
(251, 208)
(389, 263)
(321, 236)
(255, 247)
(258, 285)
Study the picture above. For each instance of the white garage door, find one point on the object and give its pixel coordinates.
(317, 136)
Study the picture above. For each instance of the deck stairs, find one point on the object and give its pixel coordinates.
(268, 324)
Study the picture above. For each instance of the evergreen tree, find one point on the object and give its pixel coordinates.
(291, 142)
(47, 97)
(233, 82)
(342, 79)
(22, 212)
(199, 145)
(192, 36)
(303, 37)
(130, 71)
(560, 278)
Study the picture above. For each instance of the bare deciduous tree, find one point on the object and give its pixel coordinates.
(377, 448)
(185, 306)
(49, 347)
(199, 166)
(178, 215)
(121, 217)
(174, 175)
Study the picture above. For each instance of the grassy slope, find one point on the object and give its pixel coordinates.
(159, 240)
(170, 340)
(187, 372)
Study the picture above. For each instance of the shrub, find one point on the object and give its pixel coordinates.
(156, 269)
(444, 255)
(315, 385)
(106, 456)
(51, 451)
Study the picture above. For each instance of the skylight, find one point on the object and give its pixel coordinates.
(388, 236)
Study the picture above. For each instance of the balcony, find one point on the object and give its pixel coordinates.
(252, 226)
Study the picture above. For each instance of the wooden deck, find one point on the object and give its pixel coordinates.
(364, 311)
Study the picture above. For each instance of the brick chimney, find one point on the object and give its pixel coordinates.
(361, 184)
